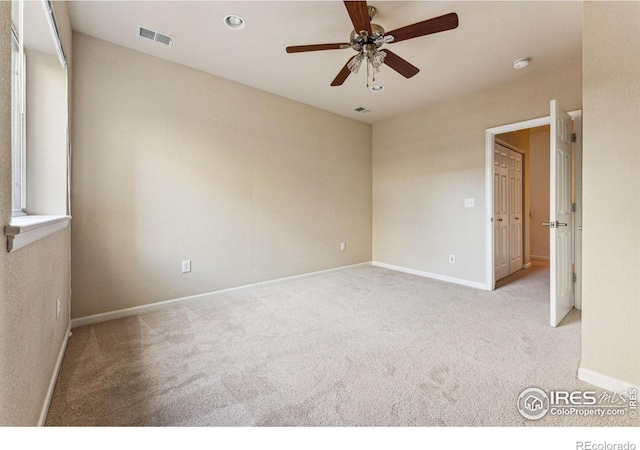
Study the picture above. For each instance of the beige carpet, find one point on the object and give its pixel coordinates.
(364, 346)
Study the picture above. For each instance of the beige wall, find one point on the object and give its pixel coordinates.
(172, 164)
(611, 246)
(539, 191)
(30, 280)
(519, 139)
(426, 162)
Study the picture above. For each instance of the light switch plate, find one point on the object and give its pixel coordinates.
(469, 202)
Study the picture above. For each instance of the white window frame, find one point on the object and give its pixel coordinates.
(18, 132)
(24, 229)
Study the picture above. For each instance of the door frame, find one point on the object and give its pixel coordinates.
(490, 136)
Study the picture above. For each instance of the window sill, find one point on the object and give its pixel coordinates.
(23, 230)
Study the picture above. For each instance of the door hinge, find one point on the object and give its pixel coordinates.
(573, 137)
(575, 277)
(573, 207)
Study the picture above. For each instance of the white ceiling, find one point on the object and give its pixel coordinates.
(476, 55)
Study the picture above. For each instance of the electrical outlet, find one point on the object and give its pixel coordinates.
(58, 308)
(186, 266)
(469, 202)
(452, 259)
(343, 246)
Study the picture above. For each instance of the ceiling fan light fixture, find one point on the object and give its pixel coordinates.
(521, 63)
(234, 22)
(377, 58)
(356, 62)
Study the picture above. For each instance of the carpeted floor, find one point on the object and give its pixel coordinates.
(360, 347)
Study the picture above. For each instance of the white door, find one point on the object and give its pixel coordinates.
(560, 221)
(501, 210)
(515, 212)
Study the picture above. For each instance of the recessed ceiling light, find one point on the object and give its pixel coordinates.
(234, 22)
(521, 63)
(377, 88)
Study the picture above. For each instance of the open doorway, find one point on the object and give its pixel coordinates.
(563, 217)
(521, 202)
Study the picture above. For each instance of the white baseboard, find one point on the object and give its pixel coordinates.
(54, 378)
(604, 381)
(527, 265)
(435, 276)
(540, 258)
(111, 315)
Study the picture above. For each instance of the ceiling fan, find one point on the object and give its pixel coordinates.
(367, 38)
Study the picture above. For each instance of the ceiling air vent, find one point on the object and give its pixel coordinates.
(362, 110)
(154, 35)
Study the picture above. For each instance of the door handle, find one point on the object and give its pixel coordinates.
(499, 220)
(560, 224)
(549, 224)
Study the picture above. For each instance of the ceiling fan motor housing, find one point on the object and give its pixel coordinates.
(358, 40)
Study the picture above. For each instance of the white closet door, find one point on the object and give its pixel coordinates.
(501, 210)
(515, 212)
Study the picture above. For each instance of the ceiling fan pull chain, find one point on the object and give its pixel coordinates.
(368, 63)
(373, 73)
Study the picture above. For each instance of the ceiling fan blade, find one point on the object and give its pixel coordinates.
(398, 64)
(359, 13)
(316, 47)
(342, 76)
(430, 26)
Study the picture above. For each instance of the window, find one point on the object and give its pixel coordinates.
(39, 140)
(17, 128)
